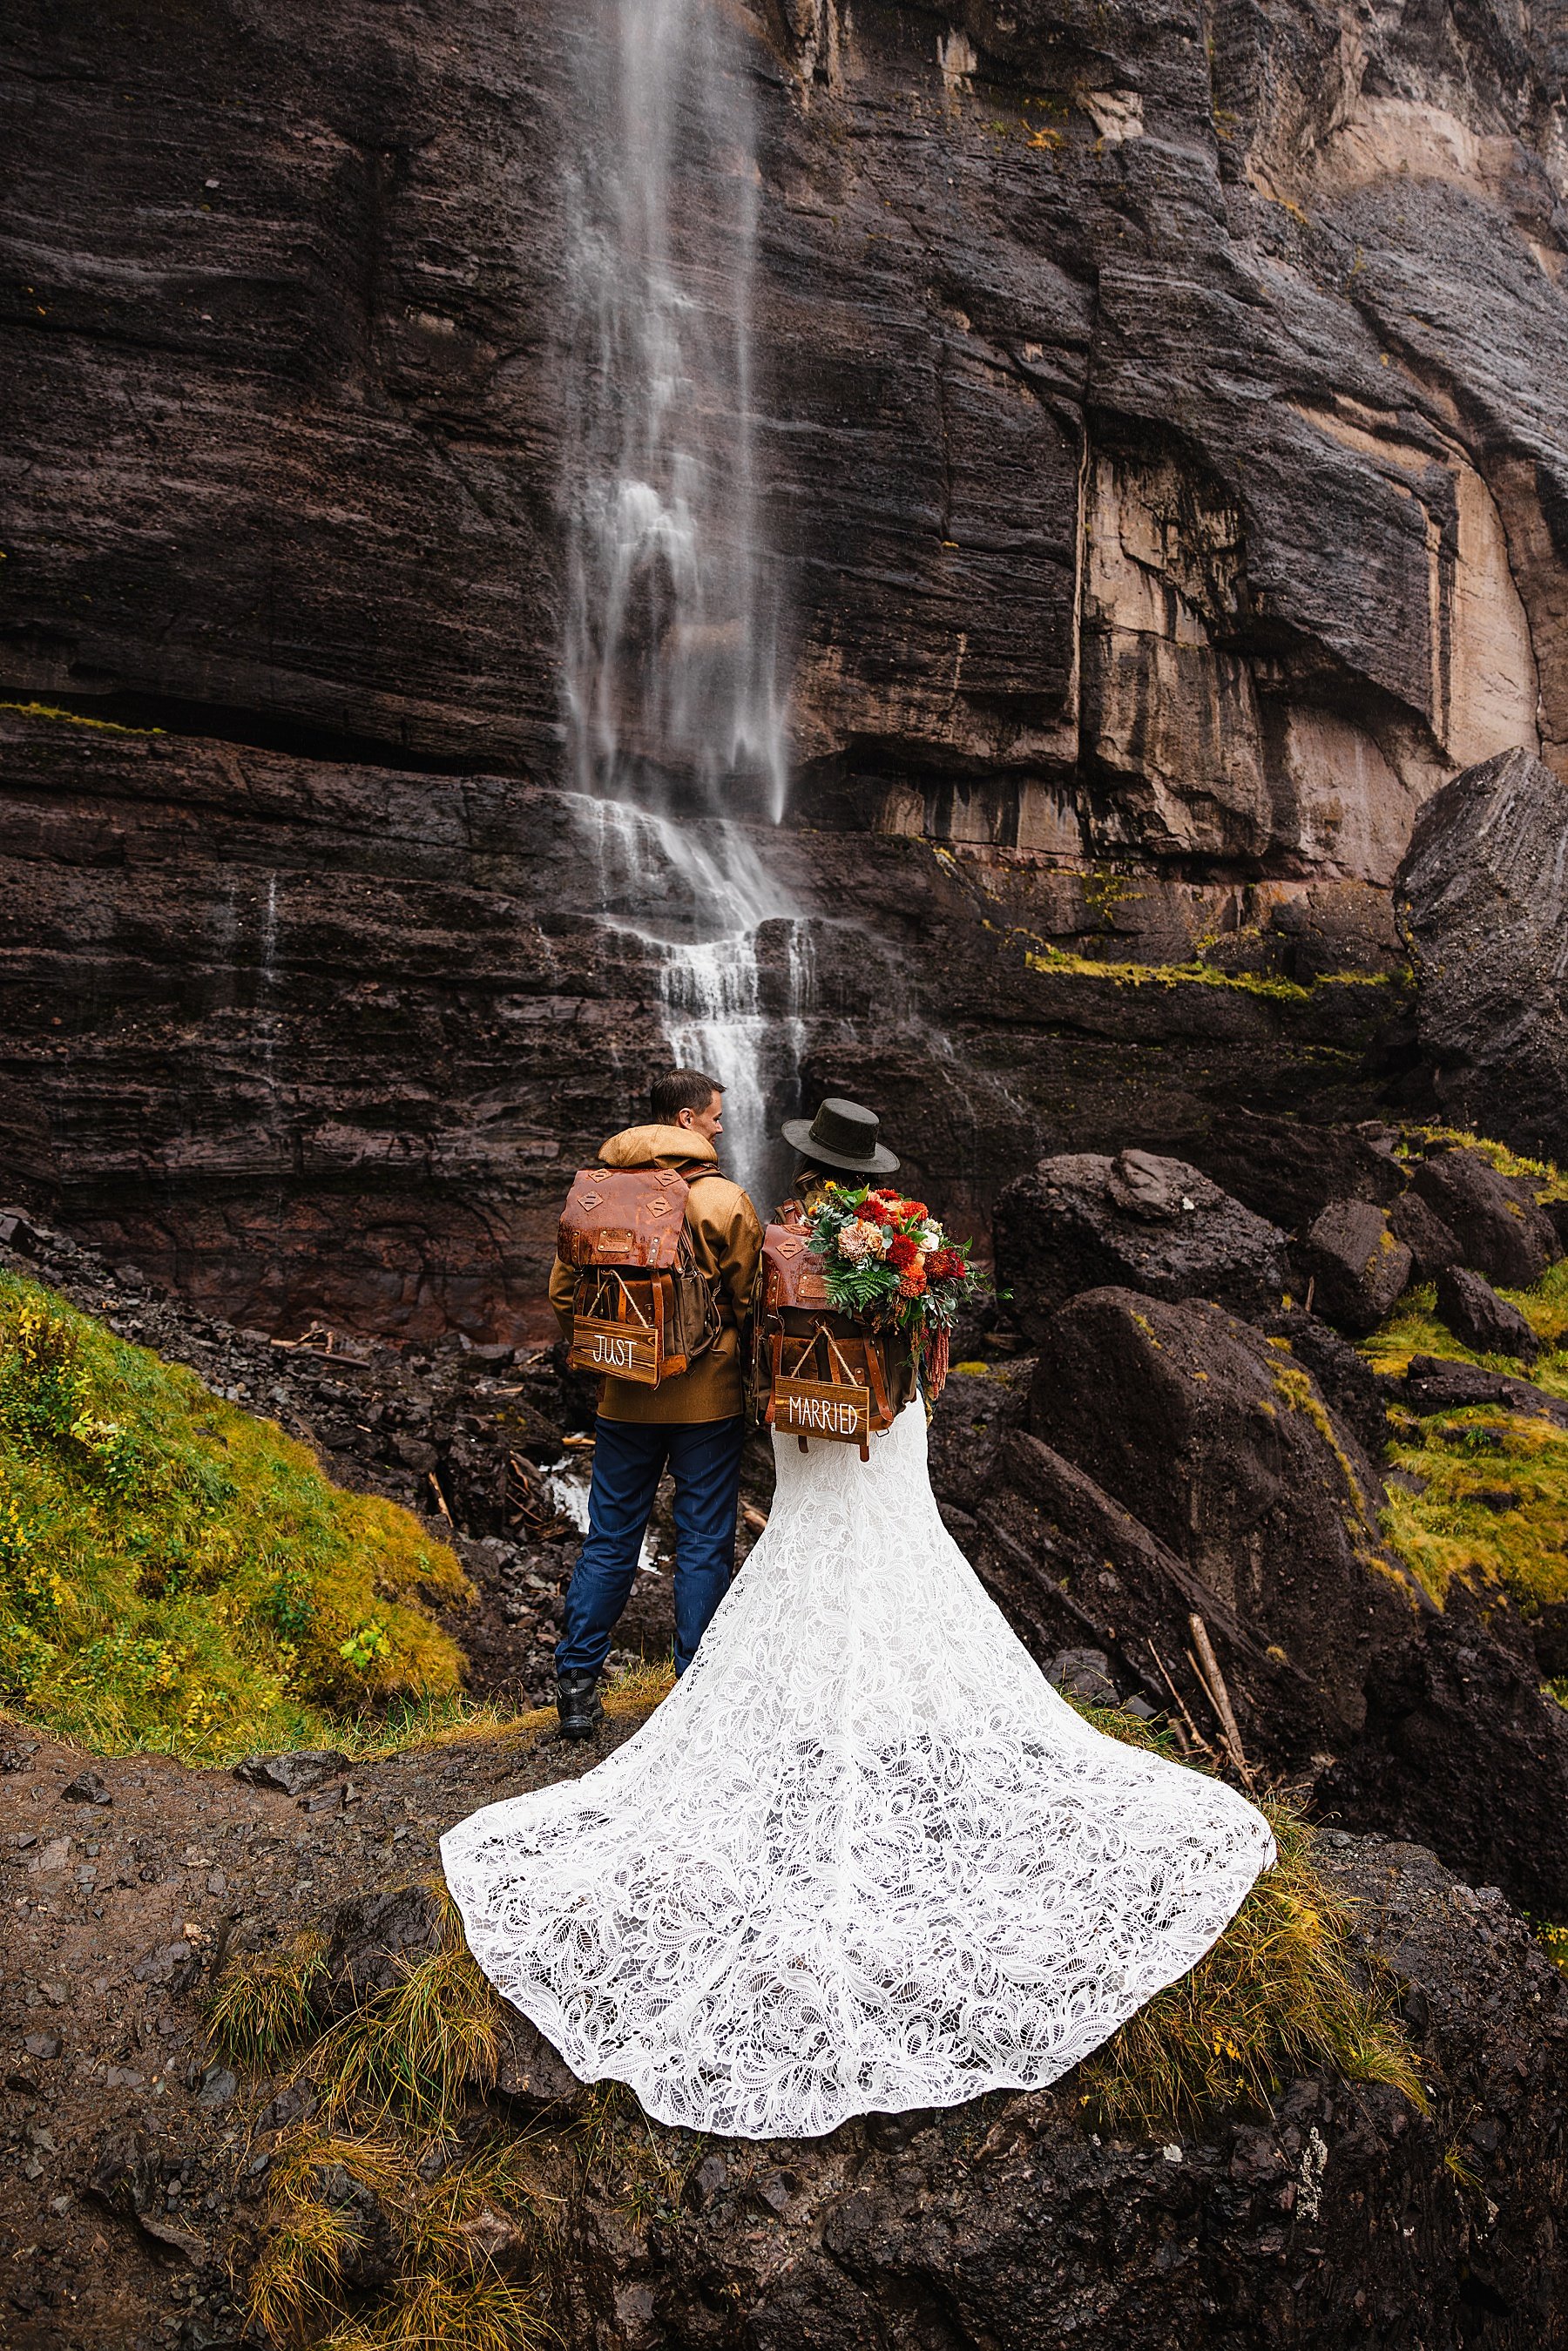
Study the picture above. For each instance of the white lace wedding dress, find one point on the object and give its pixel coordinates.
(863, 1856)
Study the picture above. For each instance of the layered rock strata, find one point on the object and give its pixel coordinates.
(1165, 461)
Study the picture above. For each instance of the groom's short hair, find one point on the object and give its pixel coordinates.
(680, 1089)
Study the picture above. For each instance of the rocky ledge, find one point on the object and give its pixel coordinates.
(143, 2163)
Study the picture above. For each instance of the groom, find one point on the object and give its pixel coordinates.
(693, 1422)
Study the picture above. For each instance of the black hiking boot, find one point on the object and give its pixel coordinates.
(578, 1704)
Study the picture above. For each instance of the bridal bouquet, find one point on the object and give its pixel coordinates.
(887, 1261)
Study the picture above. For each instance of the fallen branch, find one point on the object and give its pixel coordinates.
(1199, 1740)
(1205, 1665)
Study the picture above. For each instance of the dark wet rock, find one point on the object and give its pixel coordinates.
(1155, 1224)
(291, 1774)
(217, 2087)
(1082, 1673)
(1428, 1239)
(1478, 1318)
(139, 2180)
(1482, 895)
(530, 2072)
(1215, 1439)
(1434, 1384)
(1493, 1217)
(1357, 1267)
(1025, 2228)
(376, 1937)
(18, 1231)
(1072, 1570)
(1452, 1719)
(87, 1788)
(1344, 1379)
(975, 1411)
(1289, 1169)
(1219, 1442)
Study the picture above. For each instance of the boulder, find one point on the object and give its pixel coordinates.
(1357, 1267)
(291, 1774)
(1461, 1751)
(1478, 1318)
(1428, 1239)
(376, 1937)
(973, 1414)
(1500, 1231)
(1076, 1574)
(1219, 1442)
(1434, 1384)
(1482, 899)
(1159, 1226)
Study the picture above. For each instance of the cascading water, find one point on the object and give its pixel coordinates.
(677, 724)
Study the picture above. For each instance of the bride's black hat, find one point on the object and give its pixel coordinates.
(841, 1134)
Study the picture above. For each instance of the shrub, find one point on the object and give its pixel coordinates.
(177, 1574)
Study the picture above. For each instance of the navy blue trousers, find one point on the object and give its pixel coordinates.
(629, 1457)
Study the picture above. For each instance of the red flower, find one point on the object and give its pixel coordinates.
(914, 1212)
(875, 1210)
(944, 1265)
(903, 1254)
(913, 1283)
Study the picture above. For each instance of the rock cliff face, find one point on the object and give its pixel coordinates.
(1165, 435)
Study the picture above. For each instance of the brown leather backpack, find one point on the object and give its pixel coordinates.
(817, 1371)
(641, 1310)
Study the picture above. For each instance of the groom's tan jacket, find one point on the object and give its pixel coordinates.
(727, 1241)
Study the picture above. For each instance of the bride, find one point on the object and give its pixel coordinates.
(863, 1857)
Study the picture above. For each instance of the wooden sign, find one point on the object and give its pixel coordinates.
(624, 1351)
(832, 1408)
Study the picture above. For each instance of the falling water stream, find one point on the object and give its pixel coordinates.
(676, 721)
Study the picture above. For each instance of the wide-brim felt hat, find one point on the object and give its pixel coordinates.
(841, 1134)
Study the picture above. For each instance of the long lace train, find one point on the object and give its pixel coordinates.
(863, 1856)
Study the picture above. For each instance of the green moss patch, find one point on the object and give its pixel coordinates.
(1414, 1328)
(1492, 1504)
(74, 719)
(1058, 962)
(177, 1575)
(1419, 1142)
(1482, 1493)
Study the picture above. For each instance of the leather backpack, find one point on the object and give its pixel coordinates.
(641, 1308)
(817, 1371)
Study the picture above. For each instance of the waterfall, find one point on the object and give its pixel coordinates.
(676, 725)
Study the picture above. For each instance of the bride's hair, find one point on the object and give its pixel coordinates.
(680, 1089)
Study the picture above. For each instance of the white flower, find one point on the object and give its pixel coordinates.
(931, 1236)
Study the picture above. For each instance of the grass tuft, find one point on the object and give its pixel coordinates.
(263, 2009)
(176, 1574)
(1284, 1990)
(417, 2050)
